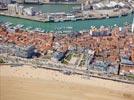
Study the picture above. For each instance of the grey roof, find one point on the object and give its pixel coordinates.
(101, 64)
(126, 61)
(58, 55)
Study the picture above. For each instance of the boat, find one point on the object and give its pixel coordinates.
(18, 26)
(56, 20)
(59, 32)
(73, 19)
(126, 23)
(115, 25)
(61, 20)
(69, 27)
(57, 28)
(39, 30)
(7, 24)
(42, 31)
(66, 31)
(77, 8)
(29, 28)
(83, 31)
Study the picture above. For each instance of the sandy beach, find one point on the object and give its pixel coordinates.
(28, 83)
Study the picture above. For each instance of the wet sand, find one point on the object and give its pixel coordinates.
(27, 83)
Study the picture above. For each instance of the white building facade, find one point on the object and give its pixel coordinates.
(12, 8)
(20, 10)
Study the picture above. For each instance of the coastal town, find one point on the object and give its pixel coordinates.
(100, 51)
(104, 50)
(92, 43)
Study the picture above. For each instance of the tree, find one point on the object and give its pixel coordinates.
(1, 61)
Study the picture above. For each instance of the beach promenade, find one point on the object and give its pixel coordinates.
(26, 82)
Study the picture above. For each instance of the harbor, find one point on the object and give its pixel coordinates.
(62, 16)
(75, 25)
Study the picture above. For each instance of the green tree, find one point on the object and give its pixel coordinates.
(1, 61)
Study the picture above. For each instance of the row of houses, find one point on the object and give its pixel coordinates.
(111, 4)
(110, 51)
(19, 51)
(20, 10)
(42, 42)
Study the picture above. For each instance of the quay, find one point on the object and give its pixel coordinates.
(76, 25)
(85, 11)
(45, 20)
(33, 18)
